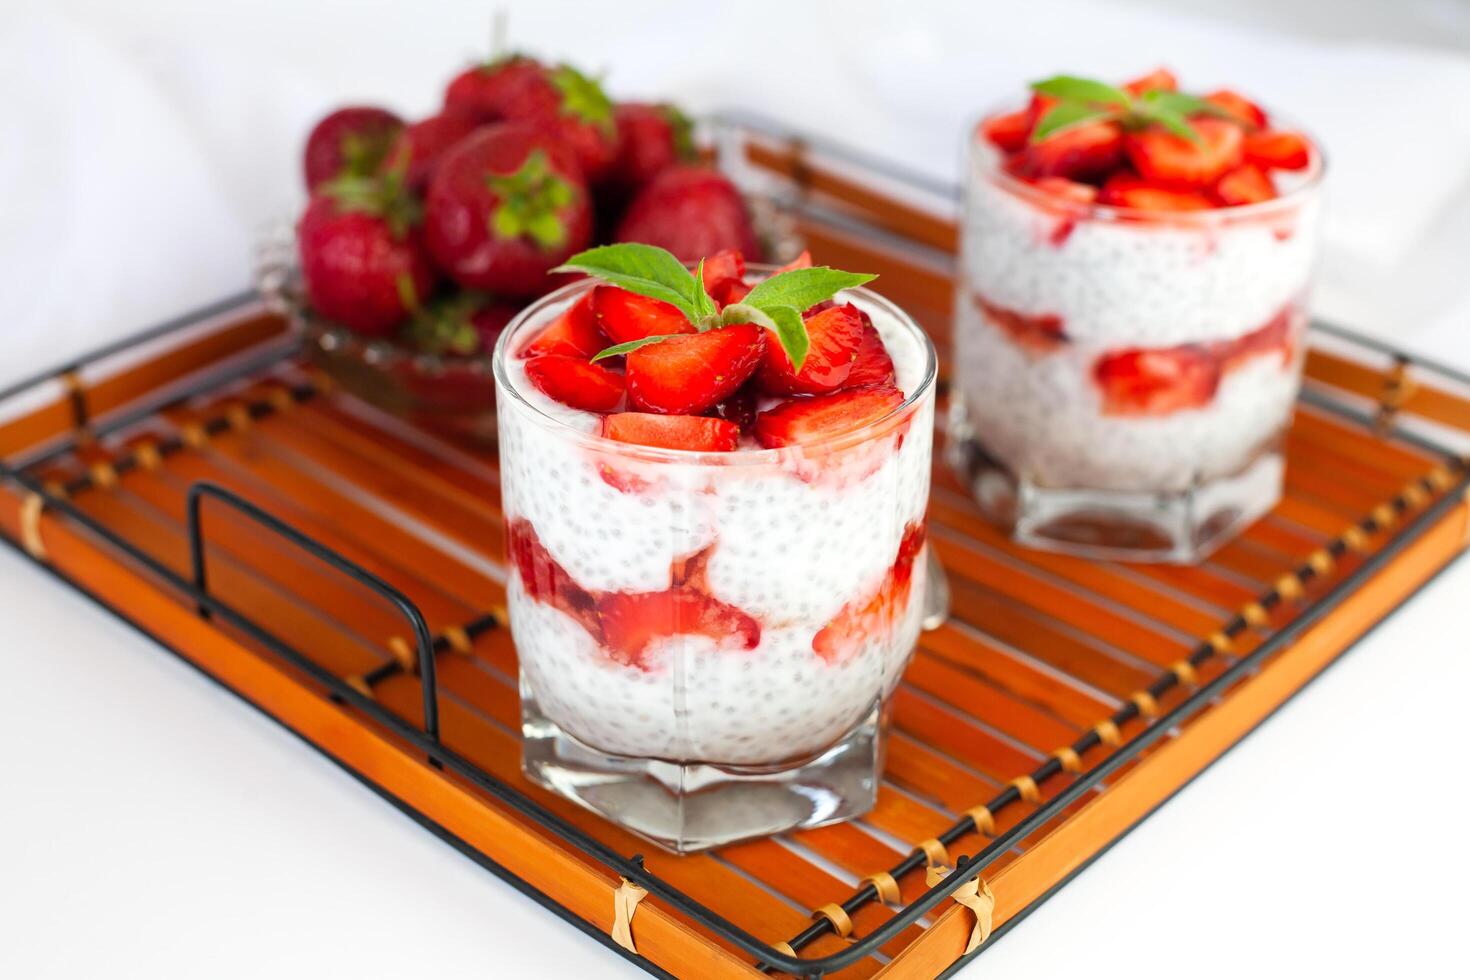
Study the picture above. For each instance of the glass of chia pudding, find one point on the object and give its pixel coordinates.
(714, 487)
(1135, 269)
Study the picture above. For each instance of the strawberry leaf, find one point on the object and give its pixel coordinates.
(633, 345)
(646, 270)
(1074, 89)
(803, 288)
(1065, 115)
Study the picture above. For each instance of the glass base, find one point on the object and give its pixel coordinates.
(688, 807)
(1181, 527)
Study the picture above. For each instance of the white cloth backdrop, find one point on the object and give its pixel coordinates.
(143, 147)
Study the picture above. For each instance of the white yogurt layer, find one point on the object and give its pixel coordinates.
(1117, 285)
(1042, 415)
(794, 539)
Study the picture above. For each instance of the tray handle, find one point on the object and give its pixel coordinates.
(201, 489)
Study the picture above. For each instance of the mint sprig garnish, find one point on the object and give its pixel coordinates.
(776, 303)
(1085, 100)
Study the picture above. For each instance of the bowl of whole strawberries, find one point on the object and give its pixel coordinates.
(421, 240)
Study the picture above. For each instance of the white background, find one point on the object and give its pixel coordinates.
(152, 825)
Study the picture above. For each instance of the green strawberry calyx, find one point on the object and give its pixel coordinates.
(447, 327)
(582, 98)
(531, 200)
(382, 195)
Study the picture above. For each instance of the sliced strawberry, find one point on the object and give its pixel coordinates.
(1009, 131)
(724, 278)
(1036, 332)
(728, 264)
(835, 335)
(872, 366)
(1277, 149)
(1159, 155)
(687, 375)
(1241, 108)
(692, 432)
(1078, 152)
(728, 291)
(740, 408)
(576, 382)
(1158, 80)
(631, 622)
(1069, 190)
(802, 261)
(623, 316)
(574, 333)
(1156, 382)
(1246, 184)
(802, 420)
(543, 578)
(1124, 190)
(860, 621)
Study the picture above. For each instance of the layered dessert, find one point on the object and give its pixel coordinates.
(1136, 265)
(714, 486)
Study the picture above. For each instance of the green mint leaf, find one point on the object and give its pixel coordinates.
(1065, 115)
(803, 288)
(633, 345)
(643, 269)
(783, 321)
(702, 300)
(1172, 121)
(1183, 104)
(1074, 89)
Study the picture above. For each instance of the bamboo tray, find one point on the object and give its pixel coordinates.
(342, 572)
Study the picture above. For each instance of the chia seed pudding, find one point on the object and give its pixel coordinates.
(727, 612)
(1127, 344)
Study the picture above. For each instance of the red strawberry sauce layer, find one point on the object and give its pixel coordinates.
(745, 606)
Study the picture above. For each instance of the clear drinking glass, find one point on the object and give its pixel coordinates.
(707, 640)
(1123, 378)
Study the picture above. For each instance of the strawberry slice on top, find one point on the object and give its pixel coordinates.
(1278, 150)
(810, 419)
(872, 365)
(685, 375)
(691, 432)
(835, 335)
(622, 316)
(575, 333)
(1166, 157)
(575, 382)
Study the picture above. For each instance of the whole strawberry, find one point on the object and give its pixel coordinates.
(350, 142)
(693, 212)
(504, 206)
(561, 101)
(651, 138)
(418, 147)
(362, 258)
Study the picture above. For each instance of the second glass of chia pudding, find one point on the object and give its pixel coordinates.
(1135, 270)
(714, 486)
